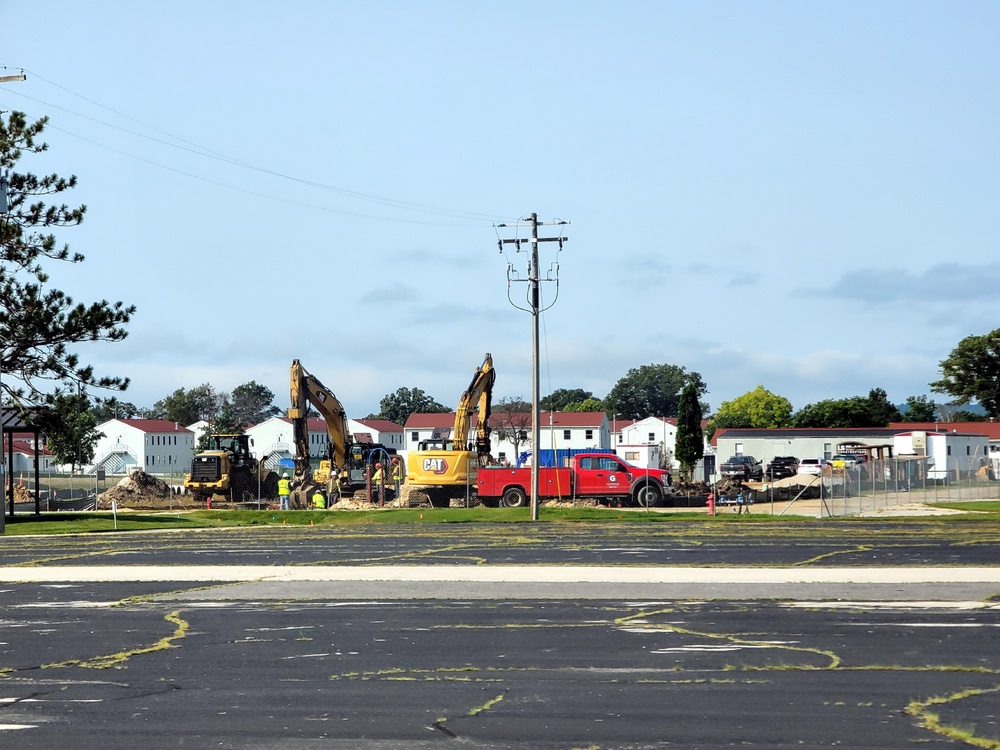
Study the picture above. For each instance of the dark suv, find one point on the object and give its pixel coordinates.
(781, 467)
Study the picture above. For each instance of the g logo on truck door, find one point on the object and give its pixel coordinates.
(436, 465)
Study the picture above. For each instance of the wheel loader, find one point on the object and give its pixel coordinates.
(228, 470)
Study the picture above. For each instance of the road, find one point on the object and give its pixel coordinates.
(600, 637)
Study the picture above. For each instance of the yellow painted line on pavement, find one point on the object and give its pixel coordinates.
(499, 574)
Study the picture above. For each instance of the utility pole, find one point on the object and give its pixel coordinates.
(8, 486)
(534, 307)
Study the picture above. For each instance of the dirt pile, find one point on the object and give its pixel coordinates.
(359, 500)
(21, 494)
(137, 490)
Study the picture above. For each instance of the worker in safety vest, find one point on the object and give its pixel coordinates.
(377, 476)
(284, 490)
(397, 475)
(319, 499)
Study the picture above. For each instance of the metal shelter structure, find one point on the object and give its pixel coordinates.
(14, 422)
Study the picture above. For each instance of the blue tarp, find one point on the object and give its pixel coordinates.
(559, 456)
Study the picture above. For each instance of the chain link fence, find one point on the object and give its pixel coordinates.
(58, 490)
(876, 485)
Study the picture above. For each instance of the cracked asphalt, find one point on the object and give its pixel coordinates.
(705, 639)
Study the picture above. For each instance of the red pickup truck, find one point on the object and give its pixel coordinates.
(590, 475)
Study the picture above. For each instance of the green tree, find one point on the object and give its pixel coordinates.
(690, 441)
(397, 407)
(39, 324)
(971, 373)
(111, 408)
(559, 398)
(226, 421)
(758, 408)
(70, 428)
(844, 412)
(651, 391)
(189, 406)
(881, 410)
(588, 404)
(919, 409)
(511, 422)
(964, 415)
(252, 403)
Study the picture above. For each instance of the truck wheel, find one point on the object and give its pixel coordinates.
(514, 497)
(647, 495)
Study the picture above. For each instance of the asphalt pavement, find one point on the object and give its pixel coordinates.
(589, 637)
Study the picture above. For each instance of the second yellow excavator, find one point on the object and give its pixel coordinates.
(346, 463)
(446, 467)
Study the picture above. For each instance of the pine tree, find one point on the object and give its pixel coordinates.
(690, 441)
(39, 324)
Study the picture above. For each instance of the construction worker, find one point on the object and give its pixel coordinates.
(284, 490)
(397, 475)
(377, 490)
(319, 499)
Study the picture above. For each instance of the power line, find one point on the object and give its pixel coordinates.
(246, 190)
(198, 150)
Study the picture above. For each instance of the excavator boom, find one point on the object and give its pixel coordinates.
(449, 469)
(478, 396)
(305, 390)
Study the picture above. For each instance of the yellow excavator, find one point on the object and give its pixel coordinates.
(446, 467)
(344, 459)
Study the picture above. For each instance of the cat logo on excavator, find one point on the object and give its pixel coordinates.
(436, 465)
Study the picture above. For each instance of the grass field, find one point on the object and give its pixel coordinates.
(105, 521)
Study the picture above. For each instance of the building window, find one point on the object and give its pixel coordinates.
(589, 435)
(827, 452)
(565, 434)
(738, 448)
(631, 456)
(651, 438)
(949, 450)
(414, 436)
(968, 450)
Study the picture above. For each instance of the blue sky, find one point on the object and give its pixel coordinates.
(797, 195)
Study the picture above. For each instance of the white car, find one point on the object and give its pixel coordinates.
(812, 466)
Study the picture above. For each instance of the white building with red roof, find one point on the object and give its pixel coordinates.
(381, 431)
(275, 436)
(23, 445)
(558, 430)
(156, 446)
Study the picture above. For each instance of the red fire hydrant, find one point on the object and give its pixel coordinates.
(711, 503)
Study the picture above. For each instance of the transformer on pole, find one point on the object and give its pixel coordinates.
(534, 280)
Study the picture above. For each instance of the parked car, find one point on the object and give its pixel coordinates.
(781, 467)
(746, 468)
(812, 466)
